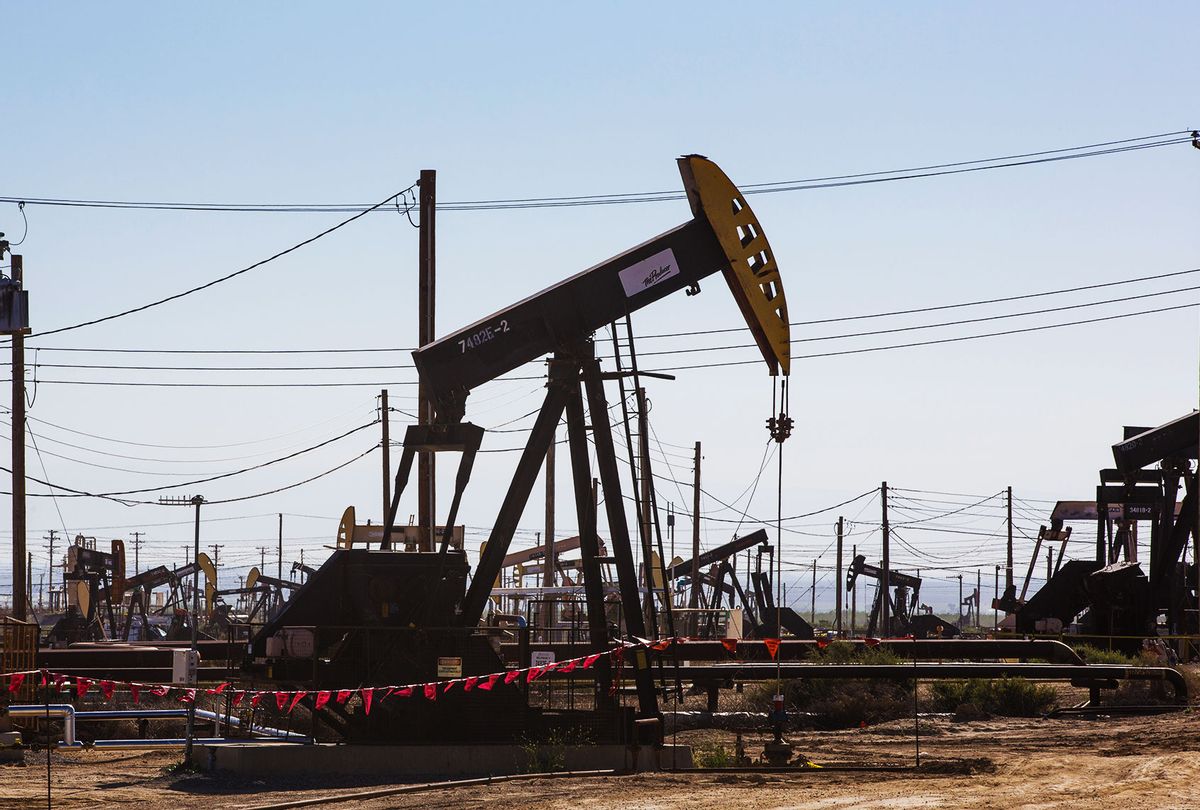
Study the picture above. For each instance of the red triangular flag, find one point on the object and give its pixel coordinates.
(568, 666)
(217, 690)
(160, 690)
(772, 645)
(490, 682)
(106, 687)
(591, 659)
(430, 691)
(295, 700)
(59, 680)
(871, 642)
(188, 696)
(449, 686)
(322, 698)
(44, 681)
(81, 686)
(512, 675)
(661, 645)
(135, 689)
(255, 698)
(469, 684)
(404, 691)
(14, 682)
(534, 673)
(237, 699)
(344, 694)
(367, 695)
(730, 645)
(281, 699)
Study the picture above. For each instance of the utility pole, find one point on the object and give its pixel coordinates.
(137, 545)
(885, 583)
(386, 446)
(548, 561)
(279, 570)
(854, 597)
(960, 601)
(426, 297)
(1008, 571)
(196, 501)
(262, 558)
(50, 585)
(837, 621)
(812, 613)
(1049, 564)
(694, 596)
(20, 573)
(996, 595)
(216, 550)
(978, 599)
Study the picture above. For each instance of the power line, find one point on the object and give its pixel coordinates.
(835, 181)
(229, 276)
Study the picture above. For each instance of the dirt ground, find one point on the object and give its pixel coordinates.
(1122, 762)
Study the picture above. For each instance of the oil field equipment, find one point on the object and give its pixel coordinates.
(383, 615)
(905, 616)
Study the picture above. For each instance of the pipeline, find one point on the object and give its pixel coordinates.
(67, 713)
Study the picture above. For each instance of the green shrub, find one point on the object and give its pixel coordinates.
(1009, 697)
(716, 756)
(1098, 655)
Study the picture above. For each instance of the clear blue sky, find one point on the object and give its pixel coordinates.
(306, 102)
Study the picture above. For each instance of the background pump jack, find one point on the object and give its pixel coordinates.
(427, 590)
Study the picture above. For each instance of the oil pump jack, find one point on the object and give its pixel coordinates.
(420, 601)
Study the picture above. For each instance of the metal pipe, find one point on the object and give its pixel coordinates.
(64, 710)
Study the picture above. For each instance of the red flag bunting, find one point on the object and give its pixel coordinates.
(344, 694)
(534, 673)
(255, 698)
(430, 691)
(295, 700)
(217, 690)
(367, 695)
(730, 645)
(107, 687)
(81, 686)
(512, 675)
(322, 698)
(14, 682)
(44, 680)
(470, 682)
(568, 666)
(135, 689)
(404, 691)
(160, 690)
(449, 686)
(772, 645)
(188, 696)
(490, 682)
(661, 645)
(591, 659)
(59, 680)
(237, 698)
(281, 700)
(871, 642)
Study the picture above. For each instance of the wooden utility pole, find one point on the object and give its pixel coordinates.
(50, 583)
(279, 570)
(20, 574)
(812, 612)
(694, 597)
(426, 289)
(837, 621)
(137, 546)
(1008, 571)
(854, 597)
(885, 582)
(645, 530)
(387, 457)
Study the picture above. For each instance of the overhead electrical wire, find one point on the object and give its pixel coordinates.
(228, 276)
(834, 181)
